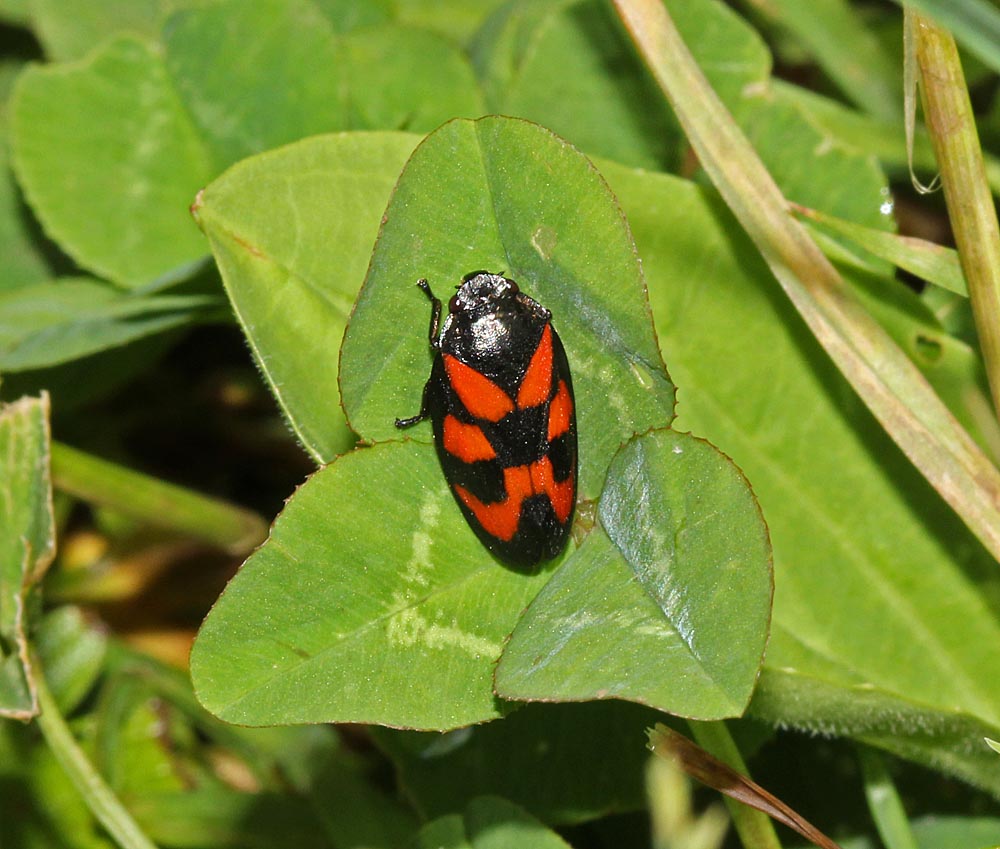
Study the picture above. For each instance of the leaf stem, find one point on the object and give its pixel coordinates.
(755, 828)
(103, 803)
(234, 529)
(952, 127)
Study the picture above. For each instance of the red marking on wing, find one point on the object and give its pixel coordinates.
(536, 385)
(480, 395)
(560, 493)
(466, 441)
(500, 518)
(560, 412)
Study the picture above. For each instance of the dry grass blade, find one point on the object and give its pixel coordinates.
(703, 767)
(886, 380)
(952, 128)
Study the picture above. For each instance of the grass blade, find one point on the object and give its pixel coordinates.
(887, 381)
(952, 128)
(975, 22)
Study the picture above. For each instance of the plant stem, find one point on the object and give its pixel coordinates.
(754, 827)
(951, 123)
(232, 528)
(103, 803)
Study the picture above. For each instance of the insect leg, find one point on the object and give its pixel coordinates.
(424, 410)
(433, 337)
(432, 334)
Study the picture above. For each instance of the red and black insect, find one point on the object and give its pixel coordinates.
(501, 402)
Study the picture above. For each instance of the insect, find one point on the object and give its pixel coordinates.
(500, 399)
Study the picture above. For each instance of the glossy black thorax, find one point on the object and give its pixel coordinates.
(494, 327)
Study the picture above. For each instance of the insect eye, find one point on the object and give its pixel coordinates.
(453, 304)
